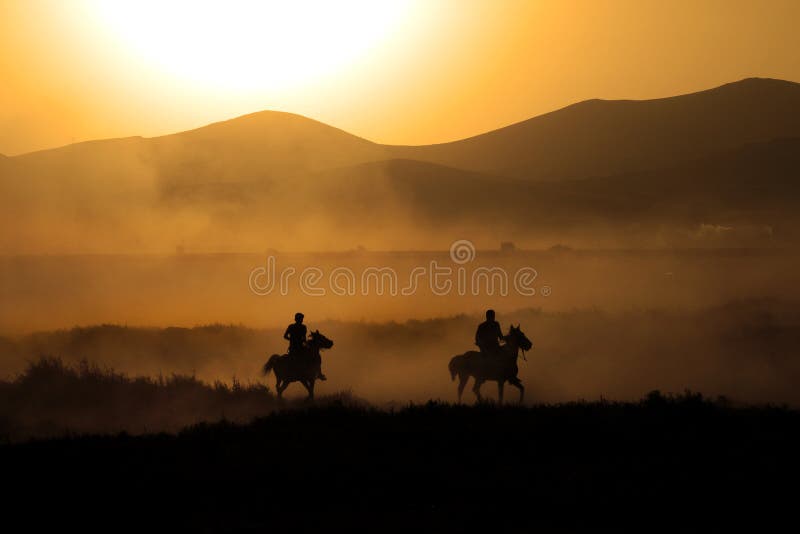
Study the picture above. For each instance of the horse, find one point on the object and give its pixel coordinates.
(500, 367)
(303, 368)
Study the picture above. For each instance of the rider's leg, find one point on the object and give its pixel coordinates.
(318, 361)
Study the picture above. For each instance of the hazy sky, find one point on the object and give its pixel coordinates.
(412, 72)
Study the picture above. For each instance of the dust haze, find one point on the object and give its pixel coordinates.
(709, 169)
(663, 235)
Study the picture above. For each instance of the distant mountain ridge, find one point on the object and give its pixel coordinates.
(724, 157)
(590, 138)
(602, 137)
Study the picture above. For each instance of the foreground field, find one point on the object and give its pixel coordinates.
(681, 462)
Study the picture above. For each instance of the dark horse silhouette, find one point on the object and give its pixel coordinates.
(501, 367)
(303, 368)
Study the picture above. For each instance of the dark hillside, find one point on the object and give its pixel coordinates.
(685, 463)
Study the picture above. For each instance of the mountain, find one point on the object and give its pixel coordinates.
(600, 137)
(746, 196)
(591, 138)
(715, 167)
(260, 146)
(266, 145)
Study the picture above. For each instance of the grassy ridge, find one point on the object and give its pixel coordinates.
(52, 398)
(434, 467)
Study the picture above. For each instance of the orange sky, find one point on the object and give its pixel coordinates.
(438, 70)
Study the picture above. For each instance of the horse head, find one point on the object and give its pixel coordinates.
(320, 341)
(517, 338)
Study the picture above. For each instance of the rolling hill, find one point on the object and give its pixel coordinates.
(260, 146)
(599, 137)
(721, 162)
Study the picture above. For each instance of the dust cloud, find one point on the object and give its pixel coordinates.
(745, 350)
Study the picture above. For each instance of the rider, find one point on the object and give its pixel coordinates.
(489, 335)
(296, 335)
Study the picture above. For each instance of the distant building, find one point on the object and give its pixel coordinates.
(507, 247)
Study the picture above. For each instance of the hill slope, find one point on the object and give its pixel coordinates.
(282, 180)
(598, 137)
(569, 467)
(260, 146)
(741, 197)
(745, 196)
(591, 138)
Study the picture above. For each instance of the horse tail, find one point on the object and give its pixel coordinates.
(269, 366)
(453, 367)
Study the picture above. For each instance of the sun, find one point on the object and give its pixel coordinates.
(241, 44)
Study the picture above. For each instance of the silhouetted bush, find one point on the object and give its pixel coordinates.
(52, 398)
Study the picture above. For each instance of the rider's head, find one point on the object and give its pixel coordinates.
(490, 315)
(298, 317)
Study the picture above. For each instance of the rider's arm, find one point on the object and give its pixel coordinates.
(286, 335)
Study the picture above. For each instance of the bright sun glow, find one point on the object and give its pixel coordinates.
(251, 44)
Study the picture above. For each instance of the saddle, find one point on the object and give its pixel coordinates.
(491, 351)
(303, 356)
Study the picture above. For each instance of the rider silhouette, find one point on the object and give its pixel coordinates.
(296, 335)
(489, 335)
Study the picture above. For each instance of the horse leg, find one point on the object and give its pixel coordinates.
(309, 384)
(518, 383)
(280, 387)
(500, 384)
(462, 381)
(476, 389)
